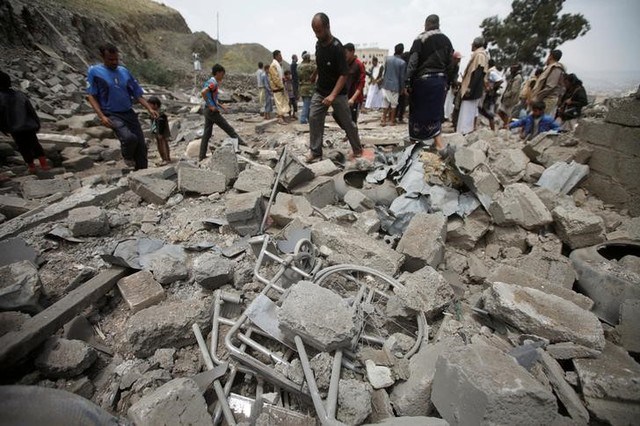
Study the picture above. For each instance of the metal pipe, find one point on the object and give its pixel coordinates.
(257, 346)
(282, 161)
(332, 396)
(311, 381)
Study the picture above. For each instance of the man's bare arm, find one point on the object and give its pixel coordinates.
(96, 107)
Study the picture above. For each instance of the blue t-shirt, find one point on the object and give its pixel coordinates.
(211, 98)
(115, 90)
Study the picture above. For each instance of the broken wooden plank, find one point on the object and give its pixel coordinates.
(16, 345)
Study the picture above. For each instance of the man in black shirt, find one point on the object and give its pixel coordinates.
(332, 73)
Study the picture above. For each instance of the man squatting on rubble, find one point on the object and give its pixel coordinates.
(110, 90)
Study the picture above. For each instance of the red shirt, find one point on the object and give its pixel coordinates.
(356, 80)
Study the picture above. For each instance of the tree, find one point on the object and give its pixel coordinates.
(531, 29)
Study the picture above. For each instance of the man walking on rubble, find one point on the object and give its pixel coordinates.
(261, 90)
(111, 90)
(332, 74)
(472, 87)
(549, 86)
(392, 84)
(276, 82)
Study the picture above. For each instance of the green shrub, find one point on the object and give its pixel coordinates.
(152, 72)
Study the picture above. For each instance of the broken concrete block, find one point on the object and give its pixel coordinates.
(212, 271)
(255, 179)
(78, 163)
(510, 165)
(295, 173)
(368, 222)
(352, 246)
(12, 321)
(381, 408)
(465, 389)
(545, 315)
(354, 401)
(337, 214)
(88, 221)
(483, 183)
(533, 172)
(168, 267)
(465, 233)
(244, 212)
(553, 267)
(288, 207)
(624, 111)
(628, 327)
(519, 205)
(11, 206)
(425, 291)
(379, 376)
(178, 402)
(321, 365)
(154, 191)
(412, 421)
(200, 181)
(467, 159)
(63, 141)
(224, 160)
(611, 385)
(320, 191)
(62, 358)
(324, 168)
(562, 177)
(577, 227)
(20, 287)
(45, 187)
(318, 315)
(140, 290)
(423, 241)
(569, 350)
(357, 201)
(167, 325)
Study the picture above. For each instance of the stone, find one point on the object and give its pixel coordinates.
(519, 205)
(357, 201)
(200, 181)
(513, 275)
(510, 165)
(20, 287)
(379, 376)
(533, 172)
(354, 401)
(507, 237)
(78, 163)
(76, 122)
(163, 358)
(368, 222)
(562, 389)
(534, 312)
(630, 263)
(167, 325)
(483, 183)
(318, 315)
(45, 187)
(413, 396)
(324, 168)
(151, 190)
(562, 177)
(320, 191)
(349, 245)
(423, 241)
(62, 358)
(212, 271)
(11, 206)
(90, 221)
(413, 421)
(178, 402)
(468, 159)
(381, 408)
(624, 111)
(577, 227)
(288, 207)
(569, 350)
(224, 160)
(63, 141)
(244, 212)
(611, 385)
(465, 233)
(425, 291)
(11, 321)
(258, 179)
(337, 214)
(628, 327)
(168, 267)
(294, 173)
(479, 384)
(322, 365)
(140, 290)
(553, 267)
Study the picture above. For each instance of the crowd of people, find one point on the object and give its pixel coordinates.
(426, 80)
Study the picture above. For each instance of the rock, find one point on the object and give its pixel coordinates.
(423, 241)
(167, 325)
(318, 315)
(533, 172)
(545, 315)
(244, 212)
(20, 287)
(611, 385)
(288, 207)
(484, 184)
(555, 268)
(224, 160)
(320, 191)
(368, 222)
(379, 376)
(569, 350)
(413, 421)
(212, 271)
(321, 365)
(179, 402)
(337, 214)
(63, 141)
(479, 384)
(45, 187)
(425, 291)
(324, 168)
(163, 358)
(465, 233)
(631, 263)
(357, 201)
(88, 221)
(381, 408)
(151, 190)
(78, 163)
(628, 326)
(168, 267)
(352, 246)
(468, 159)
(562, 177)
(519, 205)
(62, 358)
(294, 173)
(510, 165)
(76, 122)
(624, 111)
(140, 290)
(354, 401)
(200, 181)
(258, 179)
(12, 321)
(577, 227)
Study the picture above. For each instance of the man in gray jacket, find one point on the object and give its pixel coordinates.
(392, 84)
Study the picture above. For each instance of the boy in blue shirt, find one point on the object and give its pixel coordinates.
(535, 123)
(212, 112)
(111, 90)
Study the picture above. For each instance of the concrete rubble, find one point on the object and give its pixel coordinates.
(397, 289)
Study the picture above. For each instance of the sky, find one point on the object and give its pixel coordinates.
(610, 46)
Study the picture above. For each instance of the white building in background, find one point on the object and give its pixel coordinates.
(367, 51)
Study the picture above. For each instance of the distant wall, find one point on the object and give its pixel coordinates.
(614, 174)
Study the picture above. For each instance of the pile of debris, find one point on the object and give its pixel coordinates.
(251, 287)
